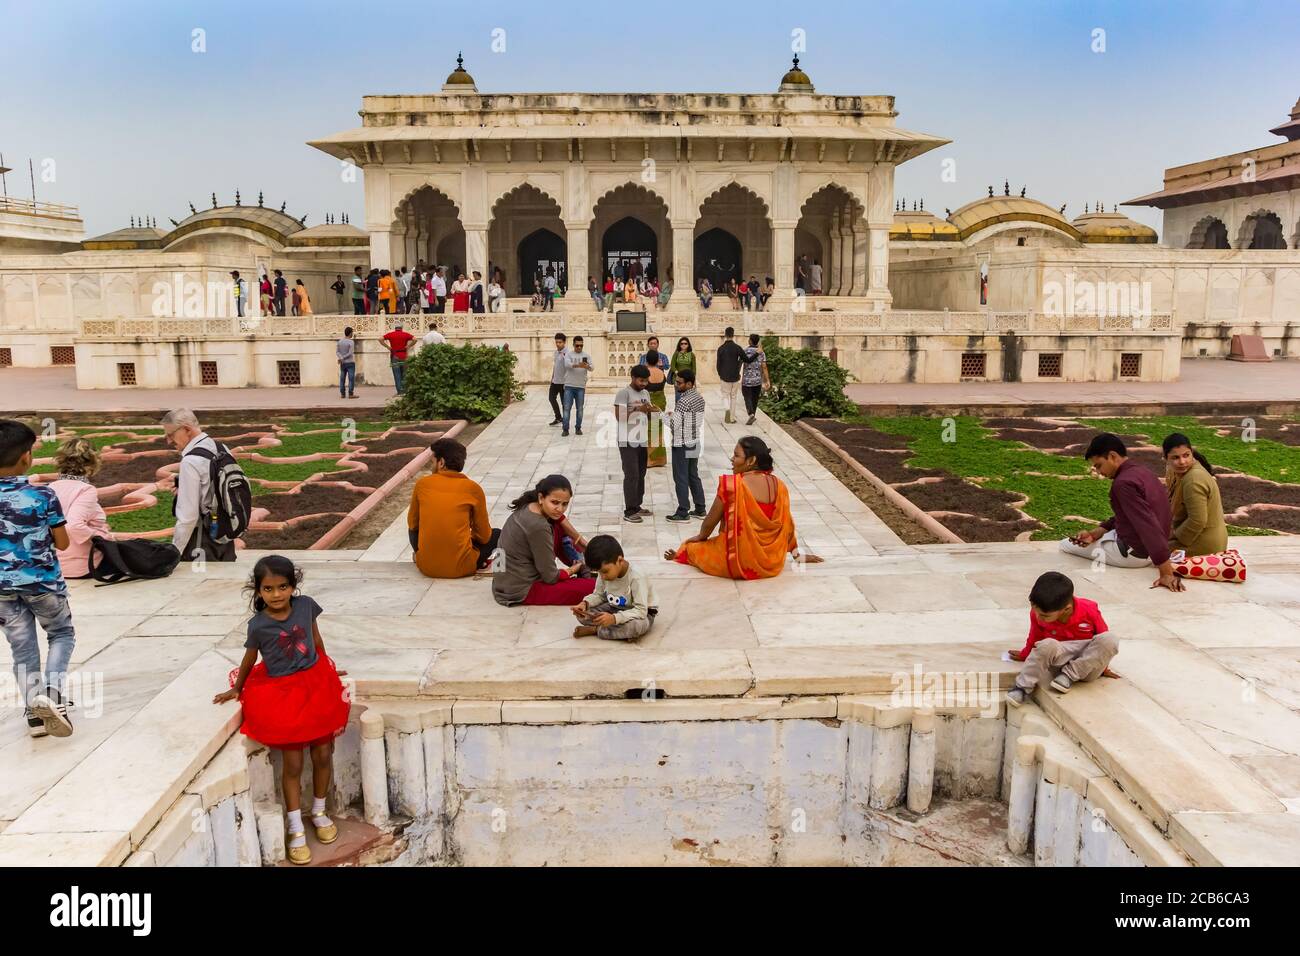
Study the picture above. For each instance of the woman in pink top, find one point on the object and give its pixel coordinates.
(78, 460)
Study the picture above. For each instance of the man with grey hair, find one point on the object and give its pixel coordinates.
(195, 497)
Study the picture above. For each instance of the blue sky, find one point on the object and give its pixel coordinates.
(139, 124)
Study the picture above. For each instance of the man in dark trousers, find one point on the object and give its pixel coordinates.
(558, 371)
(1137, 534)
(281, 289)
(632, 411)
(729, 361)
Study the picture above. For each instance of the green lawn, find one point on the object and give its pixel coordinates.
(148, 519)
(1262, 457)
(975, 453)
(330, 442)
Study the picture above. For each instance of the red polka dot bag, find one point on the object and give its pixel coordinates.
(1225, 566)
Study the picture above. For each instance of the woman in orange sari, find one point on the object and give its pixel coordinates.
(756, 529)
(388, 292)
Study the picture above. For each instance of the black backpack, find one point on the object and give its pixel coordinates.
(132, 559)
(231, 492)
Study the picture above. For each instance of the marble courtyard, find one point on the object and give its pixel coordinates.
(780, 704)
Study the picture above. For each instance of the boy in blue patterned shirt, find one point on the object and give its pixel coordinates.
(32, 588)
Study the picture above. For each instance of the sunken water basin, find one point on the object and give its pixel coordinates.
(833, 780)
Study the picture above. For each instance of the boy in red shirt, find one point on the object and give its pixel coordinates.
(1068, 639)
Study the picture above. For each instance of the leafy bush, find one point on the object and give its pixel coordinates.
(805, 384)
(447, 381)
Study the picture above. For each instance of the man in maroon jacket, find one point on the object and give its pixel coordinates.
(1137, 535)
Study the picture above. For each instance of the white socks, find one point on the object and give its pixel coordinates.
(297, 836)
(318, 811)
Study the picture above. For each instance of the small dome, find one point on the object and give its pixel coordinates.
(1112, 227)
(796, 80)
(133, 237)
(992, 210)
(921, 225)
(459, 79)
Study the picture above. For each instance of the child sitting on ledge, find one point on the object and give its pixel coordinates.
(1068, 639)
(622, 606)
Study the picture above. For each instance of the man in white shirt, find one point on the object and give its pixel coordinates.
(433, 336)
(632, 410)
(439, 284)
(193, 504)
(816, 275)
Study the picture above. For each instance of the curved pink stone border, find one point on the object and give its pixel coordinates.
(355, 516)
(896, 499)
(140, 496)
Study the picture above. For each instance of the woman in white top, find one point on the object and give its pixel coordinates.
(496, 297)
(78, 461)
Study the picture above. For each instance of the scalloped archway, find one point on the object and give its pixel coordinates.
(734, 217)
(522, 213)
(1209, 233)
(630, 228)
(830, 242)
(432, 227)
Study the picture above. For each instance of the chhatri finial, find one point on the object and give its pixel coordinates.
(133, 222)
(282, 205)
(1006, 187)
(193, 211)
(236, 197)
(1062, 209)
(796, 61)
(259, 199)
(990, 192)
(1085, 209)
(1022, 191)
(172, 221)
(214, 200)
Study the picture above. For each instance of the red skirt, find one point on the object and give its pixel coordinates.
(299, 710)
(460, 302)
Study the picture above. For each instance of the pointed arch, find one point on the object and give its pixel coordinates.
(1209, 233)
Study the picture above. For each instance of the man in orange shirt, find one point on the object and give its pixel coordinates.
(448, 518)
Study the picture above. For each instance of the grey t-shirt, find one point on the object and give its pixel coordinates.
(561, 366)
(286, 646)
(346, 349)
(575, 375)
(637, 432)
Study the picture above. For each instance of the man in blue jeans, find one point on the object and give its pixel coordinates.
(684, 421)
(346, 350)
(32, 588)
(577, 366)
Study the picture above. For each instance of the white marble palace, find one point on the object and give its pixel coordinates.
(690, 186)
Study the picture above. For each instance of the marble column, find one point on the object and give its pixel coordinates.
(381, 248)
(783, 263)
(683, 263)
(476, 252)
(577, 240)
(859, 267)
(878, 267)
(835, 271)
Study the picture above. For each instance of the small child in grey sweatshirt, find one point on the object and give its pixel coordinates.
(622, 606)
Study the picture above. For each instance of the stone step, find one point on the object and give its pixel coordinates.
(1159, 762)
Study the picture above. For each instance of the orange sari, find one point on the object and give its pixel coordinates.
(753, 538)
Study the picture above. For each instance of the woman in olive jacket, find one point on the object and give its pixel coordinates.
(1198, 525)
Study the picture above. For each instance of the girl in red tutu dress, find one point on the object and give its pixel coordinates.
(293, 698)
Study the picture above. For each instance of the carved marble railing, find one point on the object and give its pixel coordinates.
(668, 322)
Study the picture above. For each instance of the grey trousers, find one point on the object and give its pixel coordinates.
(1110, 555)
(1077, 660)
(617, 632)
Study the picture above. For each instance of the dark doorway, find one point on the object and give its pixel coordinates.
(633, 244)
(542, 253)
(717, 258)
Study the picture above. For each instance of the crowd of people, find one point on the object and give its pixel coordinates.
(425, 289)
(290, 689)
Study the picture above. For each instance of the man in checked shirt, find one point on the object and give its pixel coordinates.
(684, 422)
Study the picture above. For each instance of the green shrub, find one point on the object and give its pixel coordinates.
(446, 381)
(805, 384)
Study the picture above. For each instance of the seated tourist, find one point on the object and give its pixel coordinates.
(751, 513)
(665, 293)
(733, 293)
(448, 518)
(1196, 510)
(1137, 534)
(1068, 639)
(706, 293)
(531, 539)
(77, 461)
(629, 291)
(622, 607)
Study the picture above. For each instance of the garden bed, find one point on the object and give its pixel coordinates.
(1002, 479)
(321, 484)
